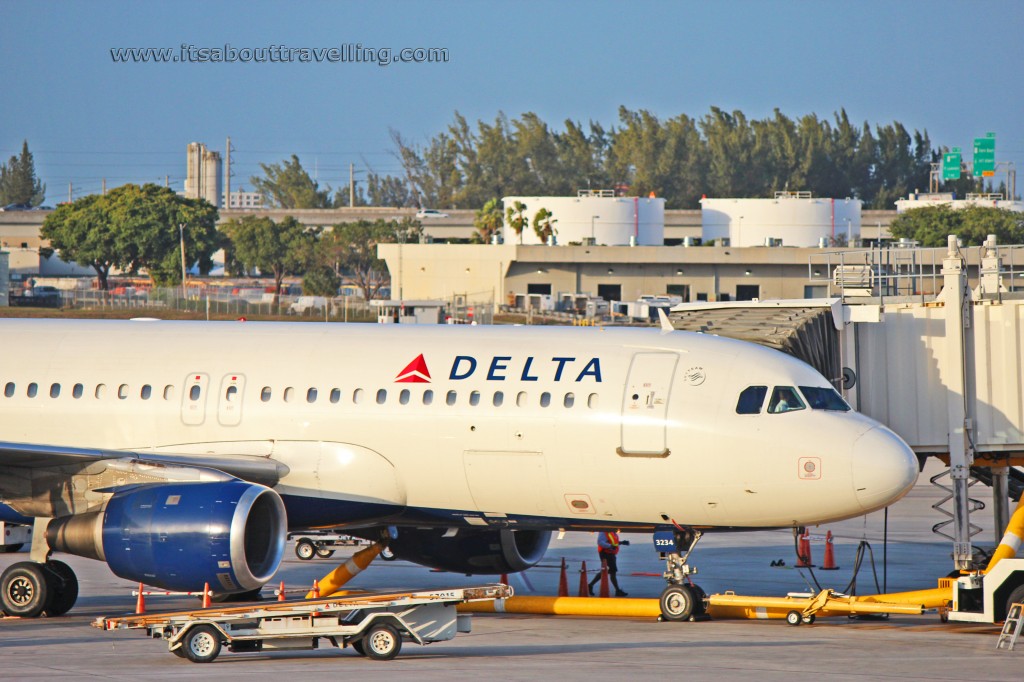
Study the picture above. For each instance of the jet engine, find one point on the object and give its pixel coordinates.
(178, 536)
(472, 552)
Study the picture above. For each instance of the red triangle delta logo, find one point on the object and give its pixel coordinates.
(415, 372)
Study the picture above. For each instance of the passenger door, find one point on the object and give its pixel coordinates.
(645, 405)
(229, 406)
(193, 399)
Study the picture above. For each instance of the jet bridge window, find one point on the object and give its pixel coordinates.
(784, 399)
(824, 399)
(751, 400)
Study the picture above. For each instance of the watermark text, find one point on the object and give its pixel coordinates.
(345, 53)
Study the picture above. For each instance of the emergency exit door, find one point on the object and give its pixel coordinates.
(645, 405)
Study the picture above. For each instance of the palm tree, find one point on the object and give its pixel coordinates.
(516, 218)
(544, 225)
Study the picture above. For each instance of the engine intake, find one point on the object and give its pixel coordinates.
(488, 552)
(178, 536)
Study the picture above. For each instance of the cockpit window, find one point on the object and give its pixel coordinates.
(751, 400)
(824, 399)
(784, 399)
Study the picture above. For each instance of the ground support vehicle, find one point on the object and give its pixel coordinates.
(14, 536)
(375, 625)
(986, 597)
(322, 544)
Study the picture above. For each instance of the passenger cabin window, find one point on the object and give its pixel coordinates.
(382, 396)
(335, 395)
(122, 391)
(751, 400)
(569, 400)
(9, 389)
(452, 396)
(54, 390)
(474, 398)
(193, 393)
(545, 399)
(824, 399)
(77, 391)
(231, 393)
(592, 401)
(265, 394)
(33, 388)
(498, 399)
(311, 395)
(428, 397)
(403, 397)
(101, 390)
(289, 394)
(146, 392)
(168, 392)
(784, 399)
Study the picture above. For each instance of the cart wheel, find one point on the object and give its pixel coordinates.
(794, 618)
(387, 555)
(180, 652)
(677, 603)
(808, 620)
(63, 586)
(24, 590)
(357, 644)
(324, 553)
(202, 644)
(304, 549)
(382, 642)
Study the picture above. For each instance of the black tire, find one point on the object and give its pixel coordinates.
(180, 652)
(202, 644)
(382, 642)
(63, 585)
(677, 603)
(324, 553)
(808, 620)
(794, 617)
(305, 550)
(357, 644)
(251, 595)
(24, 590)
(11, 549)
(387, 555)
(1016, 597)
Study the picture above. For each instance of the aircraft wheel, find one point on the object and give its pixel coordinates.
(677, 603)
(305, 550)
(794, 618)
(324, 553)
(63, 587)
(202, 644)
(24, 590)
(382, 642)
(387, 555)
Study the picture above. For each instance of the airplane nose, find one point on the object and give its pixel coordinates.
(884, 468)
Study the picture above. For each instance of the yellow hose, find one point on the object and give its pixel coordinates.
(1008, 546)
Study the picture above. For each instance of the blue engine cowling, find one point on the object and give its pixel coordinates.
(485, 552)
(178, 536)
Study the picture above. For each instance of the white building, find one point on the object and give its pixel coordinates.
(593, 217)
(921, 199)
(789, 219)
(203, 174)
(243, 200)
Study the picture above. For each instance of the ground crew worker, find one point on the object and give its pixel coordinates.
(608, 549)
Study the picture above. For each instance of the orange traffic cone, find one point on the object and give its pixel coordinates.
(830, 554)
(280, 592)
(563, 581)
(206, 595)
(584, 585)
(140, 603)
(803, 558)
(316, 589)
(605, 592)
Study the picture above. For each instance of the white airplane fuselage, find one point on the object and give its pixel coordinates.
(538, 427)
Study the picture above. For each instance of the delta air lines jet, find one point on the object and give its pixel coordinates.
(183, 452)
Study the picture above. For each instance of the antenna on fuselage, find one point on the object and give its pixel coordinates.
(666, 326)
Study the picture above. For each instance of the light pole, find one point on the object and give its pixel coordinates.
(739, 232)
(849, 234)
(181, 235)
(592, 219)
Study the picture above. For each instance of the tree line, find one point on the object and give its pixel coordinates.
(134, 228)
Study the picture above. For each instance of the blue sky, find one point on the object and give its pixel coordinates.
(951, 68)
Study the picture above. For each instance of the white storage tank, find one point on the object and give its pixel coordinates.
(593, 217)
(789, 219)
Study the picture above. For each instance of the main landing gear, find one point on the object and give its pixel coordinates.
(682, 600)
(30, 589)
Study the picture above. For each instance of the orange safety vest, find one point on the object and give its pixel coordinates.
(613, 540)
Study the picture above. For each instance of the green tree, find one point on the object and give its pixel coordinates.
(288, 185)
(544, 224)
(353, 246)
(516, 218)
(18, 182)
(321, 280)
(275, 249)
(487, 221)
(930, 225)
(135, 228)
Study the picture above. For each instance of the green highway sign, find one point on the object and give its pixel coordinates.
(951, 165)
(985, 155)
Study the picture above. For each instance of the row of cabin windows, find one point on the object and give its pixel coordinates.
(78, 390)
(788, 399)
(359, 396)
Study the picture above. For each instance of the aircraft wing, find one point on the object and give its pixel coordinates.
(41, 456)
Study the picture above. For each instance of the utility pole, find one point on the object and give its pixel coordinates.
(104, 187)
(69, 191)
(181, 233)
(227, 174)
(167, 181)
(351, 185)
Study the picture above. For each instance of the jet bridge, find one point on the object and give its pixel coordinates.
(929, 342)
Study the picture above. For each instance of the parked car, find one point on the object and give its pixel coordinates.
(430, 213)
(17, 207)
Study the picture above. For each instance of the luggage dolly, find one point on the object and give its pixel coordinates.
(374, 624)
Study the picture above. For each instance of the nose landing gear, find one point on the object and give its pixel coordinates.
(681, 599)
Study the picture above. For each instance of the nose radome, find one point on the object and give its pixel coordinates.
(884, 468)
